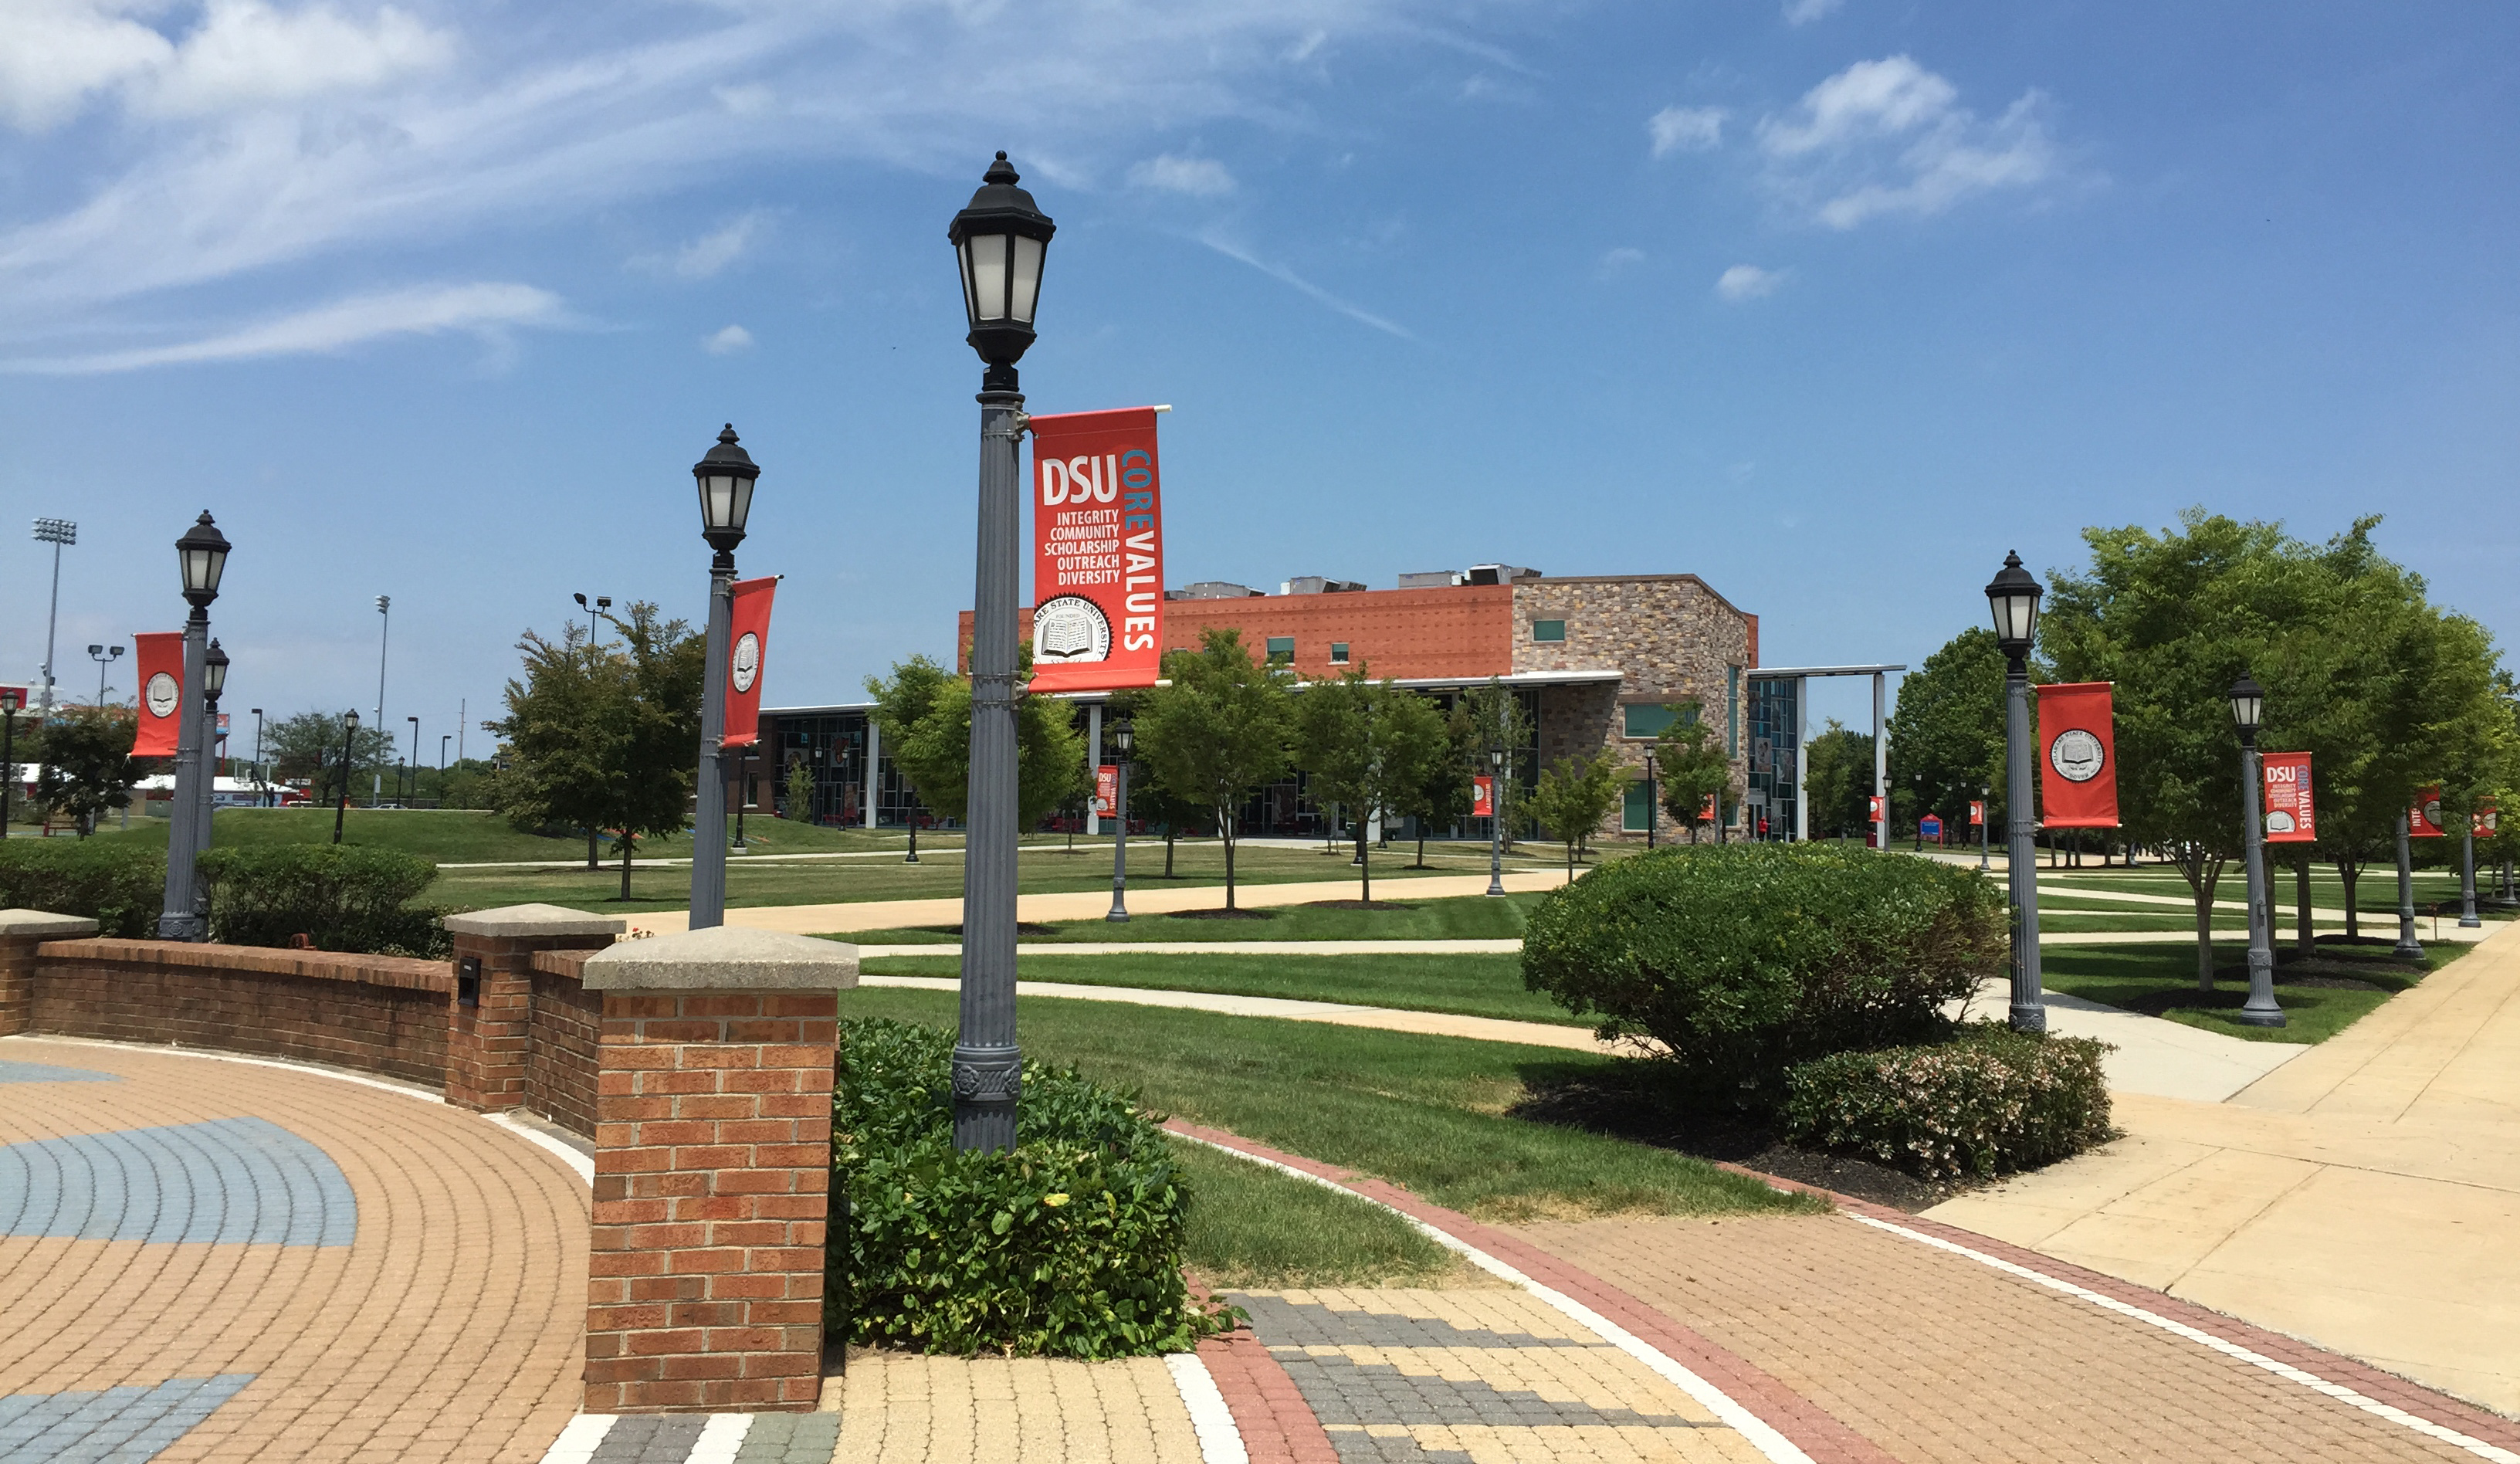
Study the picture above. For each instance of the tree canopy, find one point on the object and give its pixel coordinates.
(1947, 732)
(1691, 763)
(1369, 747)
(1573, 796)
(1220, 731)
(923, 712)
(88, 766)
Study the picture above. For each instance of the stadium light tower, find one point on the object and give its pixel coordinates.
(57, 532)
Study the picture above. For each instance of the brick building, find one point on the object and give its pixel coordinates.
(1598, 661)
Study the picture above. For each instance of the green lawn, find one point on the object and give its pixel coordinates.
(2160, 980)
(2375, 892)
(1468, 917)
(1250, 1225)
(460, 836)
(1428, 1113)
(1474, 985)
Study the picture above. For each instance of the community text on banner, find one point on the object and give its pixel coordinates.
(2285, 777)
(1098, 578)
(159, 665)
(747, 649)
(2078, 774)
(2423, 821)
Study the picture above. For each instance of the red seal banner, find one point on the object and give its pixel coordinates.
(2285, 777)
(1106, 790)
(747, 651)
(2078, 756)
(1482, 797)
(2485, 818)
(2423, 821)
(1977, 814)
(159, 665)
(1098, 574)
(1876, 809)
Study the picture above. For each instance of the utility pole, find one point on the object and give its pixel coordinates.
(56, 533)
(384, 625)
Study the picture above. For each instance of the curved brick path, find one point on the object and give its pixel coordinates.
(241, 1262)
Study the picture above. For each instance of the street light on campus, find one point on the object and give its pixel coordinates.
(201, 556)
(2013, 597)
(215, 681)
(1000, 240)
(725, 477)
(1652, 808)
(2248, 708)
(10, 699)
(1124, 737)
(349, 740)
(1496, 821)
(104, 658)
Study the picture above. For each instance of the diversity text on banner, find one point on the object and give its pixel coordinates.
(1098, 578)
(2290, 818)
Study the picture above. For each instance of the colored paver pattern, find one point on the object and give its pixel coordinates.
(212, 1259)
(909, 1408)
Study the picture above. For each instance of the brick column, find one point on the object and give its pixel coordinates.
(489, 1009)
(21, 931)
(712, 1171)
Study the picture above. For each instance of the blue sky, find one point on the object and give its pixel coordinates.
(1829, 302)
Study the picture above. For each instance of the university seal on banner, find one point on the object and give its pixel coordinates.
(748, 661)
(160, 694)
(1070, 631)
(2076, 755)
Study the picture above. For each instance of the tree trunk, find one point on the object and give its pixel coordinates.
(2202, 883)
(1364, 868)
(628, 843)
(592, 862)
(2348, 871)
(1169, 836)
(1225, 826)
(2301, 886)
(1421, 845)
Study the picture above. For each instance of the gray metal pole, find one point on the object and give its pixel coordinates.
(2467, 879)
(209, 779)
(1802, 760)
(52, 623)
(1496, 829)
(2407, 944)
(1120, 846)
(708, 822)
(385, 630)
(1093, 761)
(2029, 1011)
(1881, 764)
(873, 782)
(988, 1066)
(2259, 1010)
(181, 916)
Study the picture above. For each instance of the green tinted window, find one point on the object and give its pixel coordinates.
(1282, 648)
(1640, 810)
(1644, 719)
(1338, 652)
(1549, 630)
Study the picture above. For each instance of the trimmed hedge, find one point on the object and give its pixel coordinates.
(344, 897)
(1744, 959)
(1990, 1101)
(118, 884)
(1069, 1245)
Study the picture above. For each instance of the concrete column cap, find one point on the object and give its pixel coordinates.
(512, 921)
(724, 958)
(44, 922)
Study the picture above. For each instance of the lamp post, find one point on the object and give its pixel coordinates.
(56, 533)
(104, 657)
(2248, 708)
(1985, 817)
(384, 627)
(262, 784)
(743, 794)
(726, 476)
(202, 555)
(403, 793)
(215, 680)
(1124, 737)
(2013, 597)
(2467, 876)
(1496, 821)
(2407, 945)
(999, 243)
(349, 740)
(1654, 808)
(10, 699)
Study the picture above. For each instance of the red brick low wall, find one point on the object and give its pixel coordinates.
(385, 1015)
(560, 1058)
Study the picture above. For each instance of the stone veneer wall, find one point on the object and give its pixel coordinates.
(1669, 636)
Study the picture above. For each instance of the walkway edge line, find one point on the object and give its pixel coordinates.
(1219, 1441)
(577, 1442)
(2234, 1350)
(584, 1164)
(1763, 1437)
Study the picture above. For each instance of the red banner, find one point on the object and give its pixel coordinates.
(1977, 814)
(2285, 778)
(159, 665)
(2423, 821)
(1097, 576)
(1876, 809)
(1482, 797)
(2485, 819)
(1106, 790)
(747, 651)
(2078, 775)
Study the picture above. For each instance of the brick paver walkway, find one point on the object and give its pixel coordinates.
(210, 1260)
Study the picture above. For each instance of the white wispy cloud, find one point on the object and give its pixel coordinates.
(1804, 12)
(1889, 136)
(484, 308)
(1285, 276)
(707, 255)
(1202, 177)
(1619, 260)
(1686, 129)
(728, 341)
(1748, 282)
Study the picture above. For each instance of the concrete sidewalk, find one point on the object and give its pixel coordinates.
(2364, 1195)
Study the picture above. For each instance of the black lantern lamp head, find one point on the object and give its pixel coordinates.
(1124, 736)
(1496, 757)
(10, 699)
(2248, 707)
(350, 719)
(2013, 596)
(999, 242)
(204, 554)
(726, 478)
(214, 673)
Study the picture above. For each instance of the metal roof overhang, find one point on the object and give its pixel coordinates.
(1792, 673)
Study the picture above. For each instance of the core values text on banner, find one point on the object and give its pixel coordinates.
(2285, 777)
(1098, 578)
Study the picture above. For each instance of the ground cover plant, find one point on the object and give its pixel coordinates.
(1473, 985)
(1984, 1102)
(1469, 917)
(1428, 1113)
(339, 897)
(1068, 1245)
(1250, 1225)
(2321, 996)
(120, 885)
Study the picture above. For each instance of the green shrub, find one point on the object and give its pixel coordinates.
(344, 897)
(1069, 1245)
(1990, 1101)
(118, 884)
(1744, 959)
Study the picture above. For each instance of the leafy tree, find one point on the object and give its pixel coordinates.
(88, 766)
(1574, 796)
(925, 713)
(1367, 745)
(665, 674)
(308, 745)
(1692, 768)
(1840, 781)
(1947, 732)
(800, 790)
(1489, 717)
(1445, 794)
(1219, 732)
